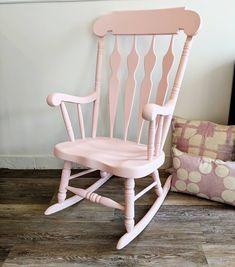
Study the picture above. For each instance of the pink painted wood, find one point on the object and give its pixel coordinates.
(132, 62)
(97, 85)
(81, 121)
(115, 61)
(148, 22)
(56, 99)
(67, 121)
(146, 88)
(166, 66)
(158, 138)
(75, 199)
(129, 207)
(64, 181)
(93, 197)
(114, 156)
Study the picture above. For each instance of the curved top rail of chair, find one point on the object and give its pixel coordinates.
(159, 21)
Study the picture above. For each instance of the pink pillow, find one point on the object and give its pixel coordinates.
(204, 138)
(203, 177)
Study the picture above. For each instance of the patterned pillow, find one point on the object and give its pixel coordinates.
(204, 177)
(204, 138)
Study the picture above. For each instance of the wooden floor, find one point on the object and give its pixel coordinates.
(187, 232)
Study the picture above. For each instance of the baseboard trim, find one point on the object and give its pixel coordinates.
(30, 162)
(43, 162)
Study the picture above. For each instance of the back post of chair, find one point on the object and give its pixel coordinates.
(100, 51)
(163, 122)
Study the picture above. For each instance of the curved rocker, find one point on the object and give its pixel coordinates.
(61, 206)
(139, 227)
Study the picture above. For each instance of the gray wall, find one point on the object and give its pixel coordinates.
(47, 47)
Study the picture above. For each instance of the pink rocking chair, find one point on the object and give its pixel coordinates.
(120, 157)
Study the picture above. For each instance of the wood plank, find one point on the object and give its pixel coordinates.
(187, 231)
(220, 255)
(27, 191)
(104, 255)
(4, 251)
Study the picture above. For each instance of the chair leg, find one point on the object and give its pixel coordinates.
(129, 204)
(139, 227)
(64, 181)
(158, 187)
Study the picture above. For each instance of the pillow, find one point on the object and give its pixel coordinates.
(204, 177)
(204, 138)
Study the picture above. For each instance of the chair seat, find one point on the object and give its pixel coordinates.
(116, 156)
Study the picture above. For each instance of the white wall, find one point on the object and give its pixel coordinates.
(49, 47)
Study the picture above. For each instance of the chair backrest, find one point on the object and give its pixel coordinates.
(138, 23)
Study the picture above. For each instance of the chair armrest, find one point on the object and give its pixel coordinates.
(55, 99)
(150, 111)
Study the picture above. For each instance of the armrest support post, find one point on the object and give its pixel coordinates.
(151, 139)
(155, 113)
(58, 99)
(67, 122)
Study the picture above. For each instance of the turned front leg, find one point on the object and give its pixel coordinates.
(129, 204)
(64, 181)
(158, 187)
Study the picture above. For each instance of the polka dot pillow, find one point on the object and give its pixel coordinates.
(204, 177)
(204, 138)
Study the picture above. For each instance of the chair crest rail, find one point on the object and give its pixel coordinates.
(131, 22)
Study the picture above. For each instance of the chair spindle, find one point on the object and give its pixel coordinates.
(181, 68)
(165, 128)
(81, 121)
(132, 62)
(158, 137)
(150, 151)
(67, 121)
(100, 51)
(115, 61)
(166, 67)
(146, 86)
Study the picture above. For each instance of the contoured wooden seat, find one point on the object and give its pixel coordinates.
(120, 156)
(128, 159)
